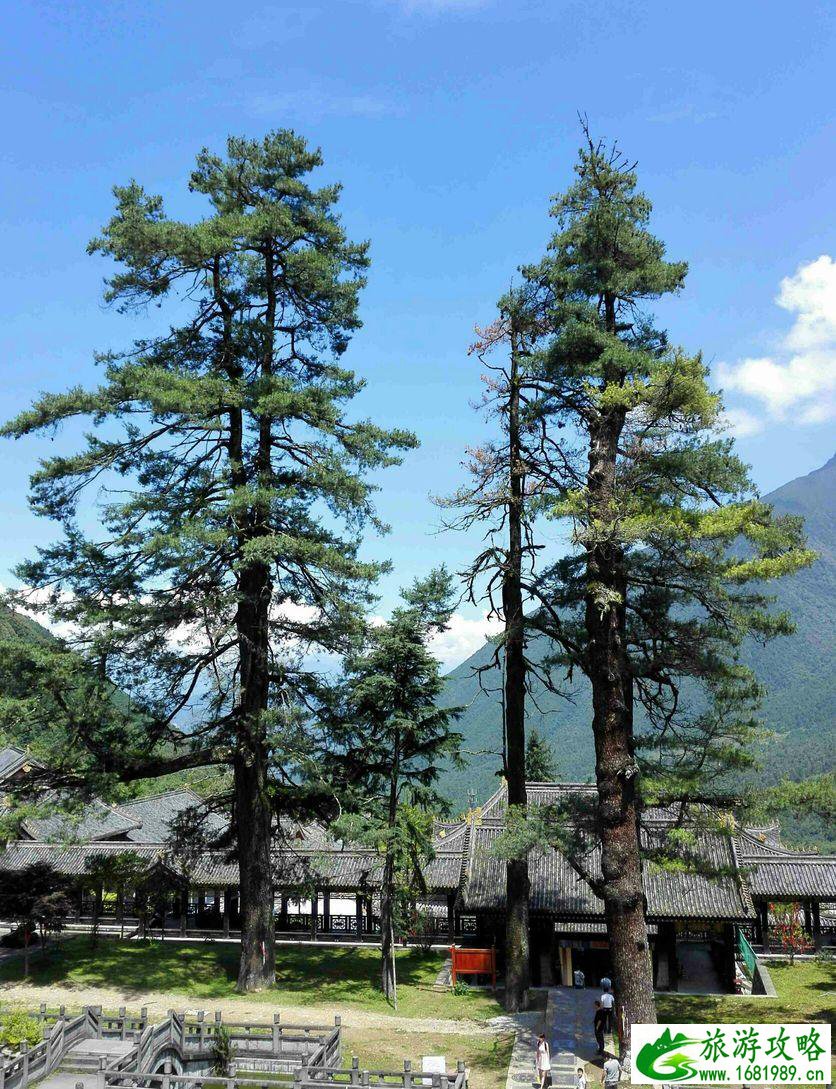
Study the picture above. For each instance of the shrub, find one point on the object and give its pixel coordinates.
(221, 1051)
(460, 987)
(17, 1028)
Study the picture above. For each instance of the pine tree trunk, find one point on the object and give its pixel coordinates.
(253, 811)
(388, 976)
(253, 808)
(615, 768)
(517, 967)
(257, 968)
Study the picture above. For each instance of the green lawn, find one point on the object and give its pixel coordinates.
(201, 971)
(486, 1057)
(806, 992)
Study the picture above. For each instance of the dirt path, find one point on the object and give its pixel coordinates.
(159, 1003)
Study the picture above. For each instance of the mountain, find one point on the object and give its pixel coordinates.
(15, 625)
(797, 670)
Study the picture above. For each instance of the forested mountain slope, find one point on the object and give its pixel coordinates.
(17, 626)
(798, 671)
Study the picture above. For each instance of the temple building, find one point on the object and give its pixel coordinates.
(327, 889)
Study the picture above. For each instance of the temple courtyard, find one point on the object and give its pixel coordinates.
(313, 984)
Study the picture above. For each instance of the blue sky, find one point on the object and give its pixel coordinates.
(450, 124)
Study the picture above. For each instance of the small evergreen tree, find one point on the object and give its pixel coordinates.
(540, 759)
(393, 738)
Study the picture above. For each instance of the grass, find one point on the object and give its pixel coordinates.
(486, 1057)
(806, 992)
(306, 975)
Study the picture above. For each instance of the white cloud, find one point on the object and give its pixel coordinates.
(464, 636)
(798, 381)
(812, 294)
(742, 423)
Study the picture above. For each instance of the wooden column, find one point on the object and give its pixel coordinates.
(451, 917)
(729, 946)
(370, 914)
(282, 913)
(326, 911)
(314, 912)
(184, 910)
(230, 907)
(358, 915)
(808, 916)
(816, 913)
(763, 913)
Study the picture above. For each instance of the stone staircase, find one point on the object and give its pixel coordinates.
(563, 1021)
(83, 1061)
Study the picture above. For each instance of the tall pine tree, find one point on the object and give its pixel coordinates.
(669, 541)
(504, 475)
(234, 497)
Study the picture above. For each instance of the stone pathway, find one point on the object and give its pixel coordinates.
(527, 1026)
(568, 1027)
(444, 977)
(565, 1013)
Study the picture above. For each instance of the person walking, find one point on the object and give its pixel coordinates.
(608, 1004)
(543, 1062)
(612, 1071)
(599, 1023)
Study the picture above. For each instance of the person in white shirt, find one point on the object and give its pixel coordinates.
(612, 1071)
(580, 1079)
(543, 1062)
(607, 1004)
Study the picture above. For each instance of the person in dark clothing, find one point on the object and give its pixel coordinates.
(599, 1024)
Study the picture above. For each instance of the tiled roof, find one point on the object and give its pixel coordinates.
(11, 760)
(772, 870)
(463, 860)
(155, 813)
(143, 820)
(66, 859)
(811, 877)
(97, 821)
(555, 886)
